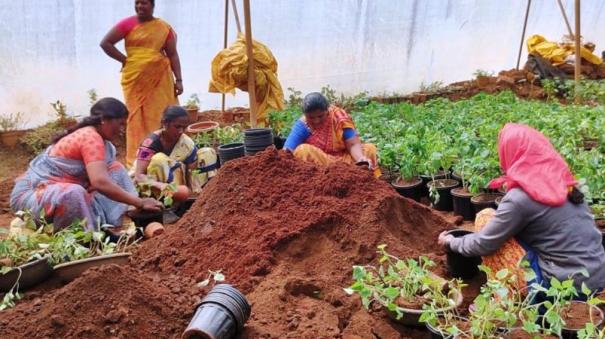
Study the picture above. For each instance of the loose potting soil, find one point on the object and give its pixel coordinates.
(284, 232)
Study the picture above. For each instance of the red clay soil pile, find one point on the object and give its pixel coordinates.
(286, 233)
(107, 302)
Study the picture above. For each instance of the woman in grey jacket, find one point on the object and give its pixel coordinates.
(542, 211)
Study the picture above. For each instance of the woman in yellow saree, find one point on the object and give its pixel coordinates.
(151, 58)
(326, 134)
(169, 156)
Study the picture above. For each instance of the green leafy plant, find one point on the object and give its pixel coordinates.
(92, 96)
(147, 189)
(397, 284)
(229, 134)
(12, 121)
(216, 276)
(193, 102)
(40, 138)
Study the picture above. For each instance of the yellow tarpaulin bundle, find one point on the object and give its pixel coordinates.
(230, 71)
(557, 53)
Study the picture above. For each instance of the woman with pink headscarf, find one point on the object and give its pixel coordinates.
(542, 211)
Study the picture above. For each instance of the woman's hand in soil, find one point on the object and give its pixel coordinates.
(444, 240)
(150, 204)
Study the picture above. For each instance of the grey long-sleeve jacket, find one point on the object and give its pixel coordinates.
(565, 238)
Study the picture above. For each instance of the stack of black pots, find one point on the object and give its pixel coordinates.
(221, 314)
(230, 151)
(257, 140)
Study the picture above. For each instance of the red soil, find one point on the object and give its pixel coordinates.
(286, 233)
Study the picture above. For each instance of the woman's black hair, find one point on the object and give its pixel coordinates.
(314, 101)
(152, 3)
(171, 113)
(104, 109)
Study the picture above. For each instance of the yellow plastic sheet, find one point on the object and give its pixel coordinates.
(557, 53)
(230, 71)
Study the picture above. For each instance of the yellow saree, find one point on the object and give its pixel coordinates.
(146, 81)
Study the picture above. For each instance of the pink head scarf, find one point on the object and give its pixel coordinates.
(530, 162)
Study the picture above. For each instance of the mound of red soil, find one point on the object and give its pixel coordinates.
(111, 301)
(287, 234)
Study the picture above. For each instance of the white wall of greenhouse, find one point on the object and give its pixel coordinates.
(49, 49)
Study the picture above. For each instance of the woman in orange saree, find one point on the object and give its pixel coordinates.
(326, 134)
(151, 58)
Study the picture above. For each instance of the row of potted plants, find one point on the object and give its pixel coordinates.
(412, 295)
(30, 254)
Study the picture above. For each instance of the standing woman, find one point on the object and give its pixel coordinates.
(147, 69)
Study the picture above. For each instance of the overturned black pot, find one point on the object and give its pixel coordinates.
(408, 188)
(444, 188)
(221, 314)
(184, 206)
(461, 199)
(458, 265)
(230, 151)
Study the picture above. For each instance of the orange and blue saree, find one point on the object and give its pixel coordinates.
(147, 81)
(326, 144)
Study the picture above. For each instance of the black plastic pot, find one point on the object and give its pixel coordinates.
(279, 141)
(444, 187)
(461, 200)
(230, 151)
(144, 218)
(458, 265)
(257, 139)
(426, 178)
(184, 206)
(411, 189)
(436, 334)
(484, 200)
(221, 314)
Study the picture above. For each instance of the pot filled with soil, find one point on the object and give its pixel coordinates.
(28, 275)
(229, 152)
(461, 199)
(201, 127)
(144, 218)
(412, 312)
(443, 202)
(154, 229)
(11, 138)
(576, 315)
(426, 178)
(408, 188)
(221, 314)
(484, 200)
(458, 265)
(69, 271)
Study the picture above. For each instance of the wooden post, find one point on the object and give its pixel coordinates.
(578, 68)
(523, 33)
(226, 30)
(251, 75)
(565, 18)
(237, 24)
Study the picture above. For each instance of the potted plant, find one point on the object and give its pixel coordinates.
(461, 196)
(192, 106)
(10, 125)
(407, 182)
(404, 287)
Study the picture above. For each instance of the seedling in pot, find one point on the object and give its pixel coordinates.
(402, 284)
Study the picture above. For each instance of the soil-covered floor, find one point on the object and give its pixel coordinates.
(285, 232)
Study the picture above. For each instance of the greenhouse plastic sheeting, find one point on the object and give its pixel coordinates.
(49, 49)
(230, 71)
